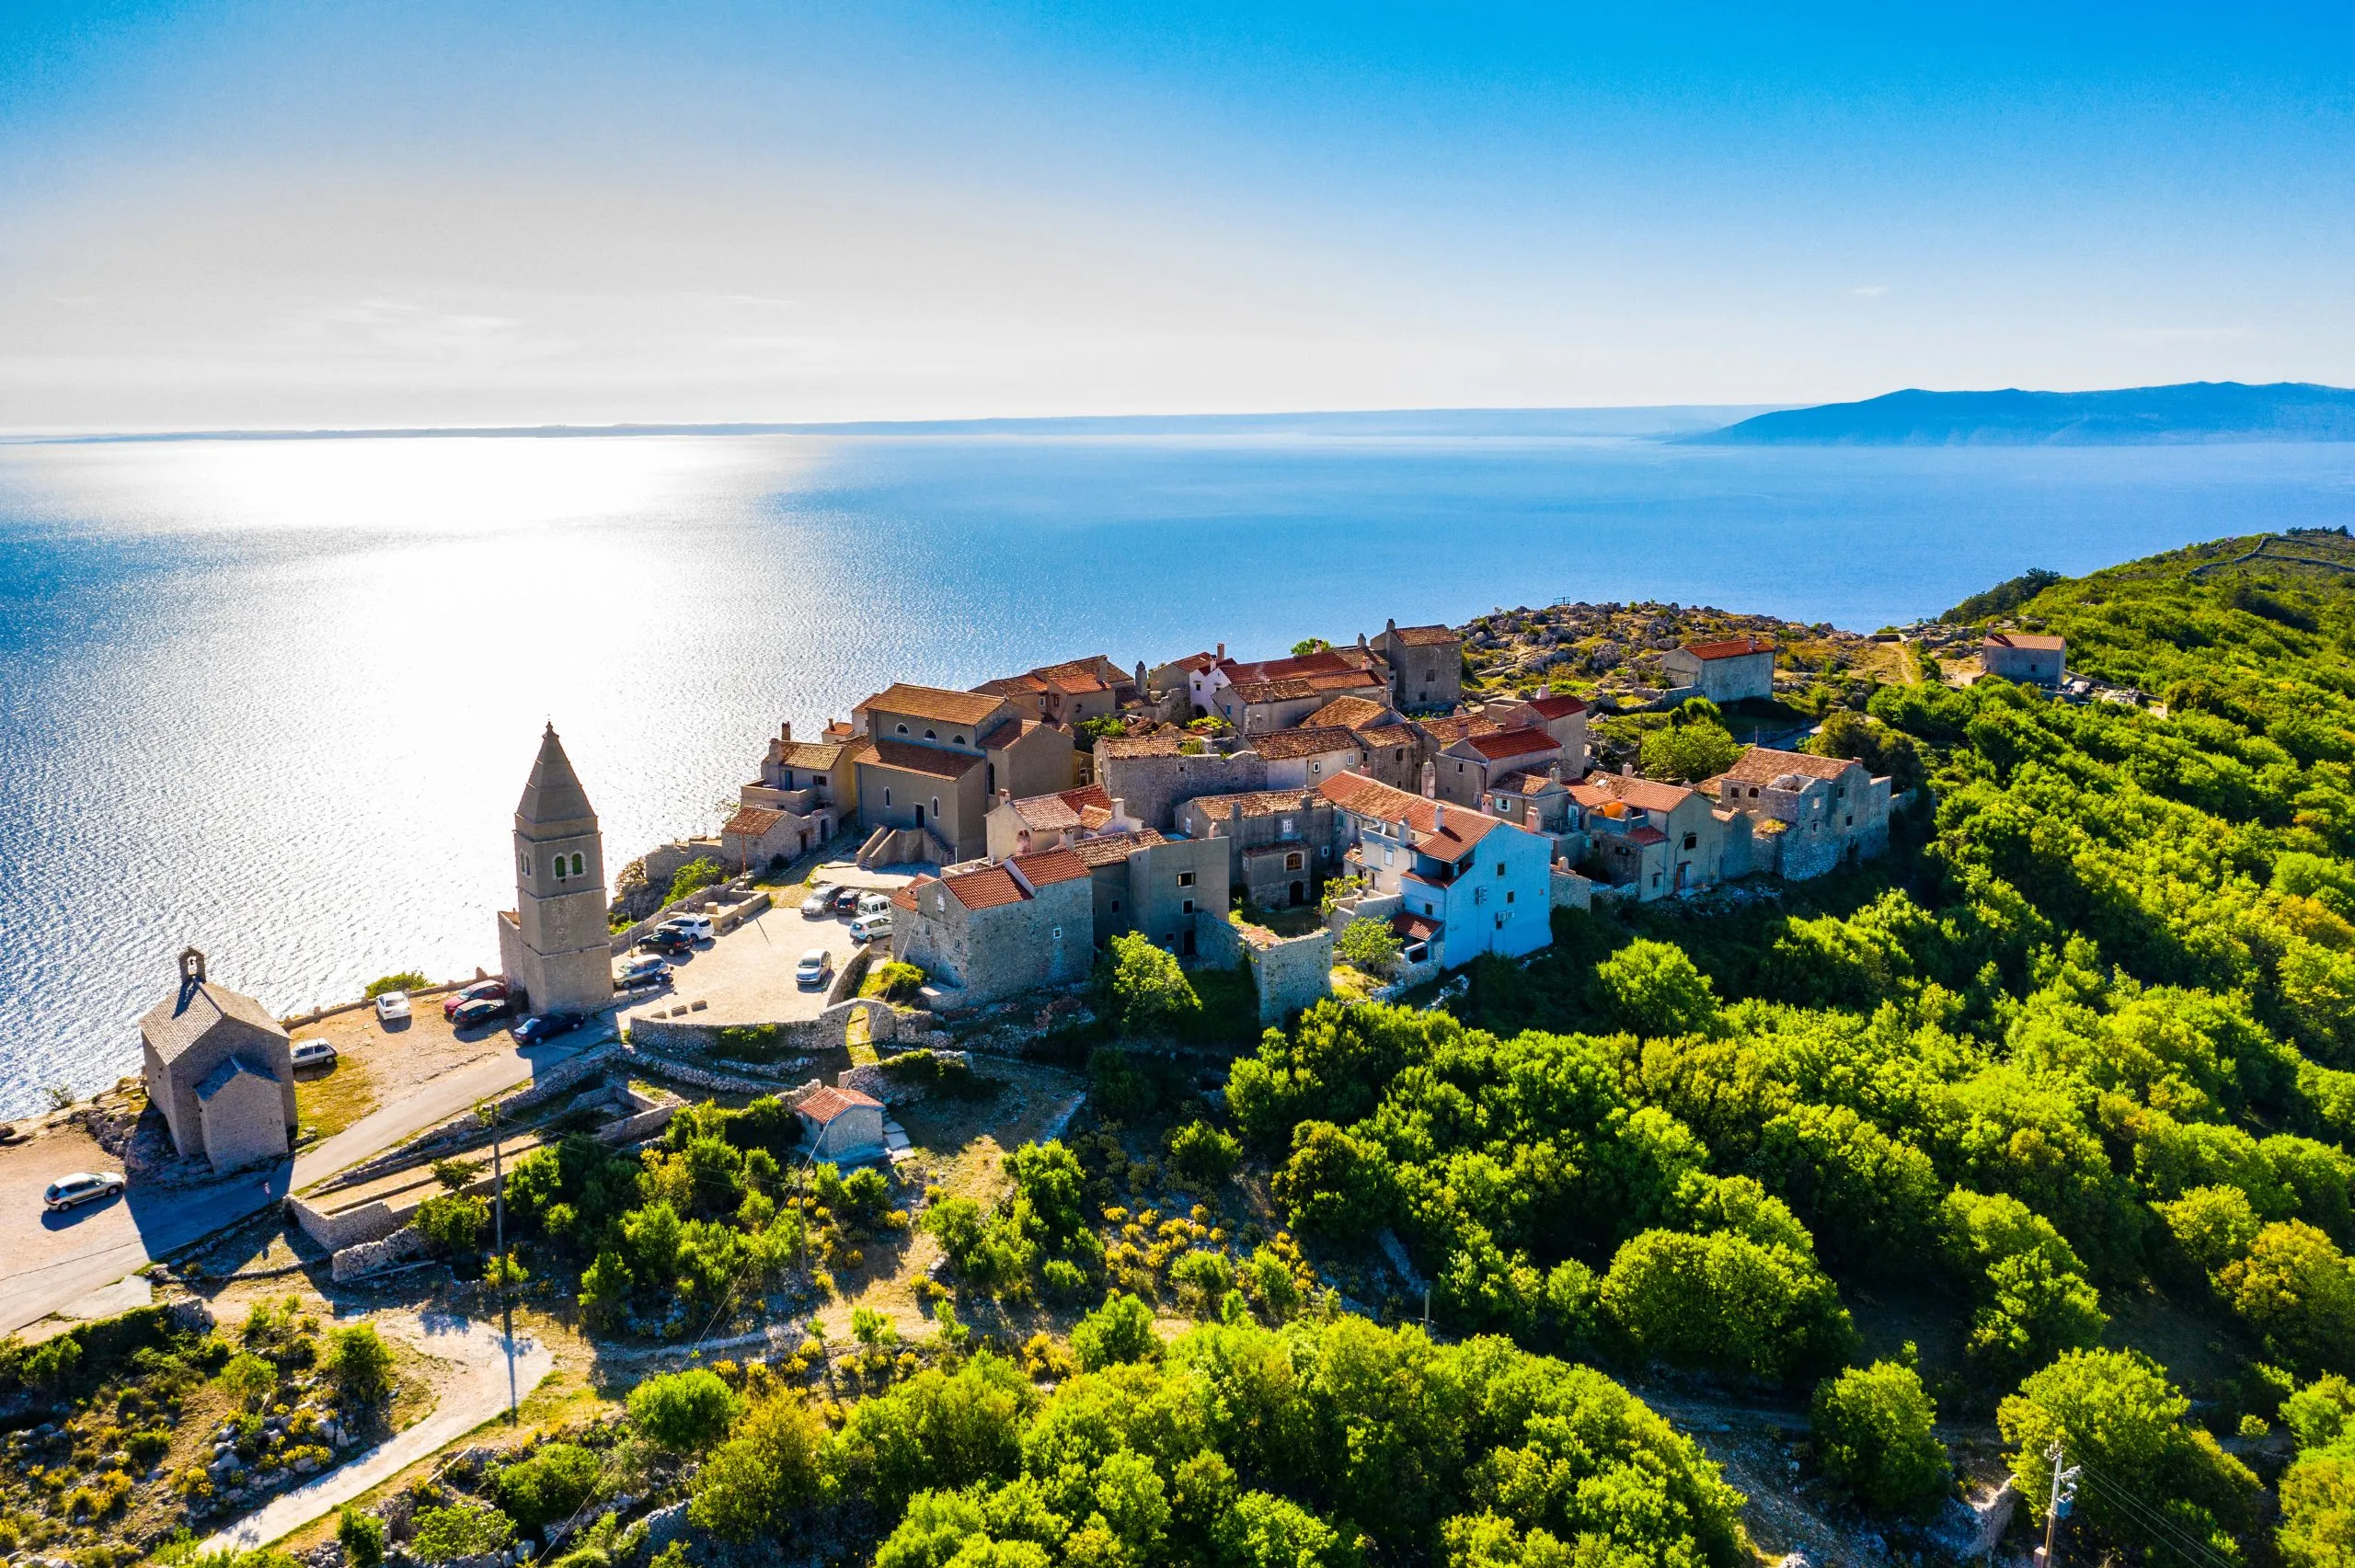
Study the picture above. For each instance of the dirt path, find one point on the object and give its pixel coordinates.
(479, 1392)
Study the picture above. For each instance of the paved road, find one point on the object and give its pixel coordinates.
(56, 1259)
(746, 976)
(478, 1393)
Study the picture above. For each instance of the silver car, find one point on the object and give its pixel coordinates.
(82, 1186)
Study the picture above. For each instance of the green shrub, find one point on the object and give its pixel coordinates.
(407, 980)
(1725, 1303)
(359, 1363)
(684, 1412)
(1368, 945)
(1203, 1154)
(553, 1483)
(1874, 1435)
(461, 1529)
(362, 1536)
(1144, 989)
(694, 877)
(894, 982)
(247, 1380)
(749, 1042)
(453, 1175)
(767, 1468)
(1120, 1330)
(452, 1223)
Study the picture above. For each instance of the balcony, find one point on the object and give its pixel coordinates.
(793, 802)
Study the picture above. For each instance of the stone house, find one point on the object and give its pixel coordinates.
(808, 790)
(842, 1126)
(2032, 658)
(554, 947)
(220, 1069)
(1072, 692)
(1279, 842)
(1558, 714)
(1426, 666)
(1808, 815)
(989, 932)
(1389, 748)
(1302, 758)
(1539, 799)
(1466, 883)
(1054, 821)
(1281, 692)
(1725, 671)
(1154, 773)
(935, 761)
(1147, 882)
(1655, 839)
(1464, 772)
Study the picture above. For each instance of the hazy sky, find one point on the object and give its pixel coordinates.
(258, 214)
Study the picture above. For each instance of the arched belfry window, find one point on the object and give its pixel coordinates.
(578, 866)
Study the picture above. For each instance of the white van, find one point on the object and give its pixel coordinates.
(694, 928)
(875, 904)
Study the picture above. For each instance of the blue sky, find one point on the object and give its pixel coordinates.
(277, 215)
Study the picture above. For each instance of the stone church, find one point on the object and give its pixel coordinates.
(553, 945)
(220, 1069)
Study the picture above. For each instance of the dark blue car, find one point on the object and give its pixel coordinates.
(546, 1026)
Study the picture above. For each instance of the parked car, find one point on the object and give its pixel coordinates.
(312, 1053)
(82, 1186)
(393, 1007)
(494, 989)
(815, 966)
(867, 928)
(546, 1026)
(875, 904)
(694, 928)
(820, 901)
(646, 971)
(482, 1009)
(666, 944)
(847, 901)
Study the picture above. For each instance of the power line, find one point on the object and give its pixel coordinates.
(2168, 1532)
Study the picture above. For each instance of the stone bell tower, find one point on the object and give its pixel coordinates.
(553, 945)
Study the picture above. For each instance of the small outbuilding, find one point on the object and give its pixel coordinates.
(842, 1124)
(2033, 658)
(221, 1069)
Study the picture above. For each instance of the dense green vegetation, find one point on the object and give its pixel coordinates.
(2088, 1030)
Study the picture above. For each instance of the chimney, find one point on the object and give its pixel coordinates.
(1554, 770)
(1530, 822)
(785, 732)
(1361, 639)
(1140, 675)
(1439, 817)
(1005, 797)
(1221, 650)
(1626, 769)
(1391, 627)
(1430, 779)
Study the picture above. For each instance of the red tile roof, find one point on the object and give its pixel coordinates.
(1291, 743)
(1733, 648)
(1601, 789)
(933, 703)
(1558, 704)
(2026, 642)
(984, 889)
(1344, 713)
(1647, 836)
(1500, 744)
(1113, 849)
(1087, 807)
(1372, 797)
(1424, 636)
(1051, 867)
(1415, 928)
(752, 822)
(1259, 803)
(819, 757)
(823, 1104)
(1449, 728)
(930, 761)
(1760, 765)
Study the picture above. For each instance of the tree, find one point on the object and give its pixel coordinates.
(2297, 1290)
(694, 877)
(553, 1484)
(247, 1380)
(2115, 1413)
(1725, 1303)
(1144, 992)
(1656, 992)
(1203, 1154)
(1120, 1330)
(462, 1529)
(1874, 1435)
(1307, 645)
(684, 1412)
(2318, 1510)
(769, 1466)
(362, 1536)
(359, 1363)
(1368, 945)
(1334, 1184)
(452, 1223)
(1687, 753)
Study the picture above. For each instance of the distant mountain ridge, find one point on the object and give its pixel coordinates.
(2191, 412)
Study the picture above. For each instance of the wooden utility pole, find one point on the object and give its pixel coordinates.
(488, 1112)
(2065, 1487)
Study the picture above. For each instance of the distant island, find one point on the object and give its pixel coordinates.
(2199, 411)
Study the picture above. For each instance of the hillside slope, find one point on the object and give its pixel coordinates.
(2142, 415)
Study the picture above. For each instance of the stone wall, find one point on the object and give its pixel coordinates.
(1291, 972)
(1571, 891)
(731, 904)
(1151, 787)
(819, 1034)
(364, 1258)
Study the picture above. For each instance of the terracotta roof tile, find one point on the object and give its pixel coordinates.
(1497, 745)
(1260, 803)
(1345, 713)
(1292, 743)
(930, 761)
(1449, 728)
(1112, 849)
(1760, 765)
(752, 822)
(1051, 867)
(1733, 648)
(1416, 928)
(826, 1102)
(1389, 735)
(2026, 642)
(934, 703)
(1067, 808)
(1424, 636)
(1558, 704)
(1162, 743)
(1650, 795)
(818, 757)
(984, 889)
(1647, 836)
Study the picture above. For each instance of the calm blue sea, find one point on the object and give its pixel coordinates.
(276, 698)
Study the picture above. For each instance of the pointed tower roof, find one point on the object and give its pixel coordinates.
(554, 804)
